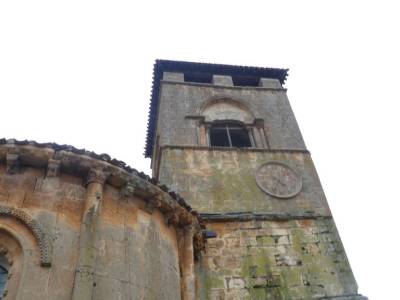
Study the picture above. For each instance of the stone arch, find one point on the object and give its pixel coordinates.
(225, 108)
(35, 228)
(12, 255)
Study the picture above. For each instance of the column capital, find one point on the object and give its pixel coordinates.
(95, 175)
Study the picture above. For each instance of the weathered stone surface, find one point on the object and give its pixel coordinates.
(222, 80)
(270, 83)
(277, 260)
(171, 76)
(111, 232)
(102, 241)
(177, 101)
(224, 181)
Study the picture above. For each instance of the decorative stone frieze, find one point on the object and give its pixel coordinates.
(37, 231)
(100, 168)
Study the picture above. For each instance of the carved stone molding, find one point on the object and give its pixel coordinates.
(129, 189)
(153, 203)
(35, 228)
(98, 176)
(199, 242)
(172, 218)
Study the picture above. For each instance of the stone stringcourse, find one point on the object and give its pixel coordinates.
(39, 234)
(250, 216)
(65, 158)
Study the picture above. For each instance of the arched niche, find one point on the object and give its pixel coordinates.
(226, 109)
(34, 227)
(11, 260)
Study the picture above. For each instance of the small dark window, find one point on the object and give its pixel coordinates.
(3, 274)
(229, 135)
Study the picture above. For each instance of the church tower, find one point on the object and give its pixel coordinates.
(225, 138)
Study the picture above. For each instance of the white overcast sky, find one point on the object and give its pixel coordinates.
(80, 72)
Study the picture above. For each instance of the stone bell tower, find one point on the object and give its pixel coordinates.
(225, 138)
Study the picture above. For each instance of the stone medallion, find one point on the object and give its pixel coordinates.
(278, 180)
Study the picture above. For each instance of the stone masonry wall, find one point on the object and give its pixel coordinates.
(296, 259)
(223, 180)
(136, 251)
(180, 100)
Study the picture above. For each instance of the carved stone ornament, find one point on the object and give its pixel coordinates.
(53, 168)
(278, 179)
(35, 228)
(12, 163)
(129, 189)
(98, 176)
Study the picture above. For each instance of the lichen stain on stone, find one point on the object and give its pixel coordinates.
(210, 180)
(280, 260)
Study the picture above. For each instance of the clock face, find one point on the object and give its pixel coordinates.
(278, 180)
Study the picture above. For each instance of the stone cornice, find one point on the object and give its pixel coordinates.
(80, 162)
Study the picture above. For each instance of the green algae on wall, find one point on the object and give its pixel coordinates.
(298, 259)
(224, 181)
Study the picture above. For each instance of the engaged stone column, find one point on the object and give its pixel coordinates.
(186, 261)
(84, 275)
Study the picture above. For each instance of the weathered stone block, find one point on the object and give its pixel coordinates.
(170, 76)
(222, 80)
(270, 83)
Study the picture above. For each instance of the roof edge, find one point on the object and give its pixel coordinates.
(80, 161)
(163, 65)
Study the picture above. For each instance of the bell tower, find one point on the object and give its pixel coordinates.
(225, 138)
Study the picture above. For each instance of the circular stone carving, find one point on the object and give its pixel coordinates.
(278, 180)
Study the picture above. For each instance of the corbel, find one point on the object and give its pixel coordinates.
(153, 203)
(172, 218)
(53, 168)
(184, 217)
(128, 189)
(12, 163)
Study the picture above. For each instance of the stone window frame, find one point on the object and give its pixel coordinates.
(255, 130)
(228, 123)
(254, 125)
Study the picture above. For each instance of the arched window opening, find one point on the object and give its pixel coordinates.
(229, 135)
(4, 267)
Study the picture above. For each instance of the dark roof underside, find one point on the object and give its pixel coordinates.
(202, 73)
